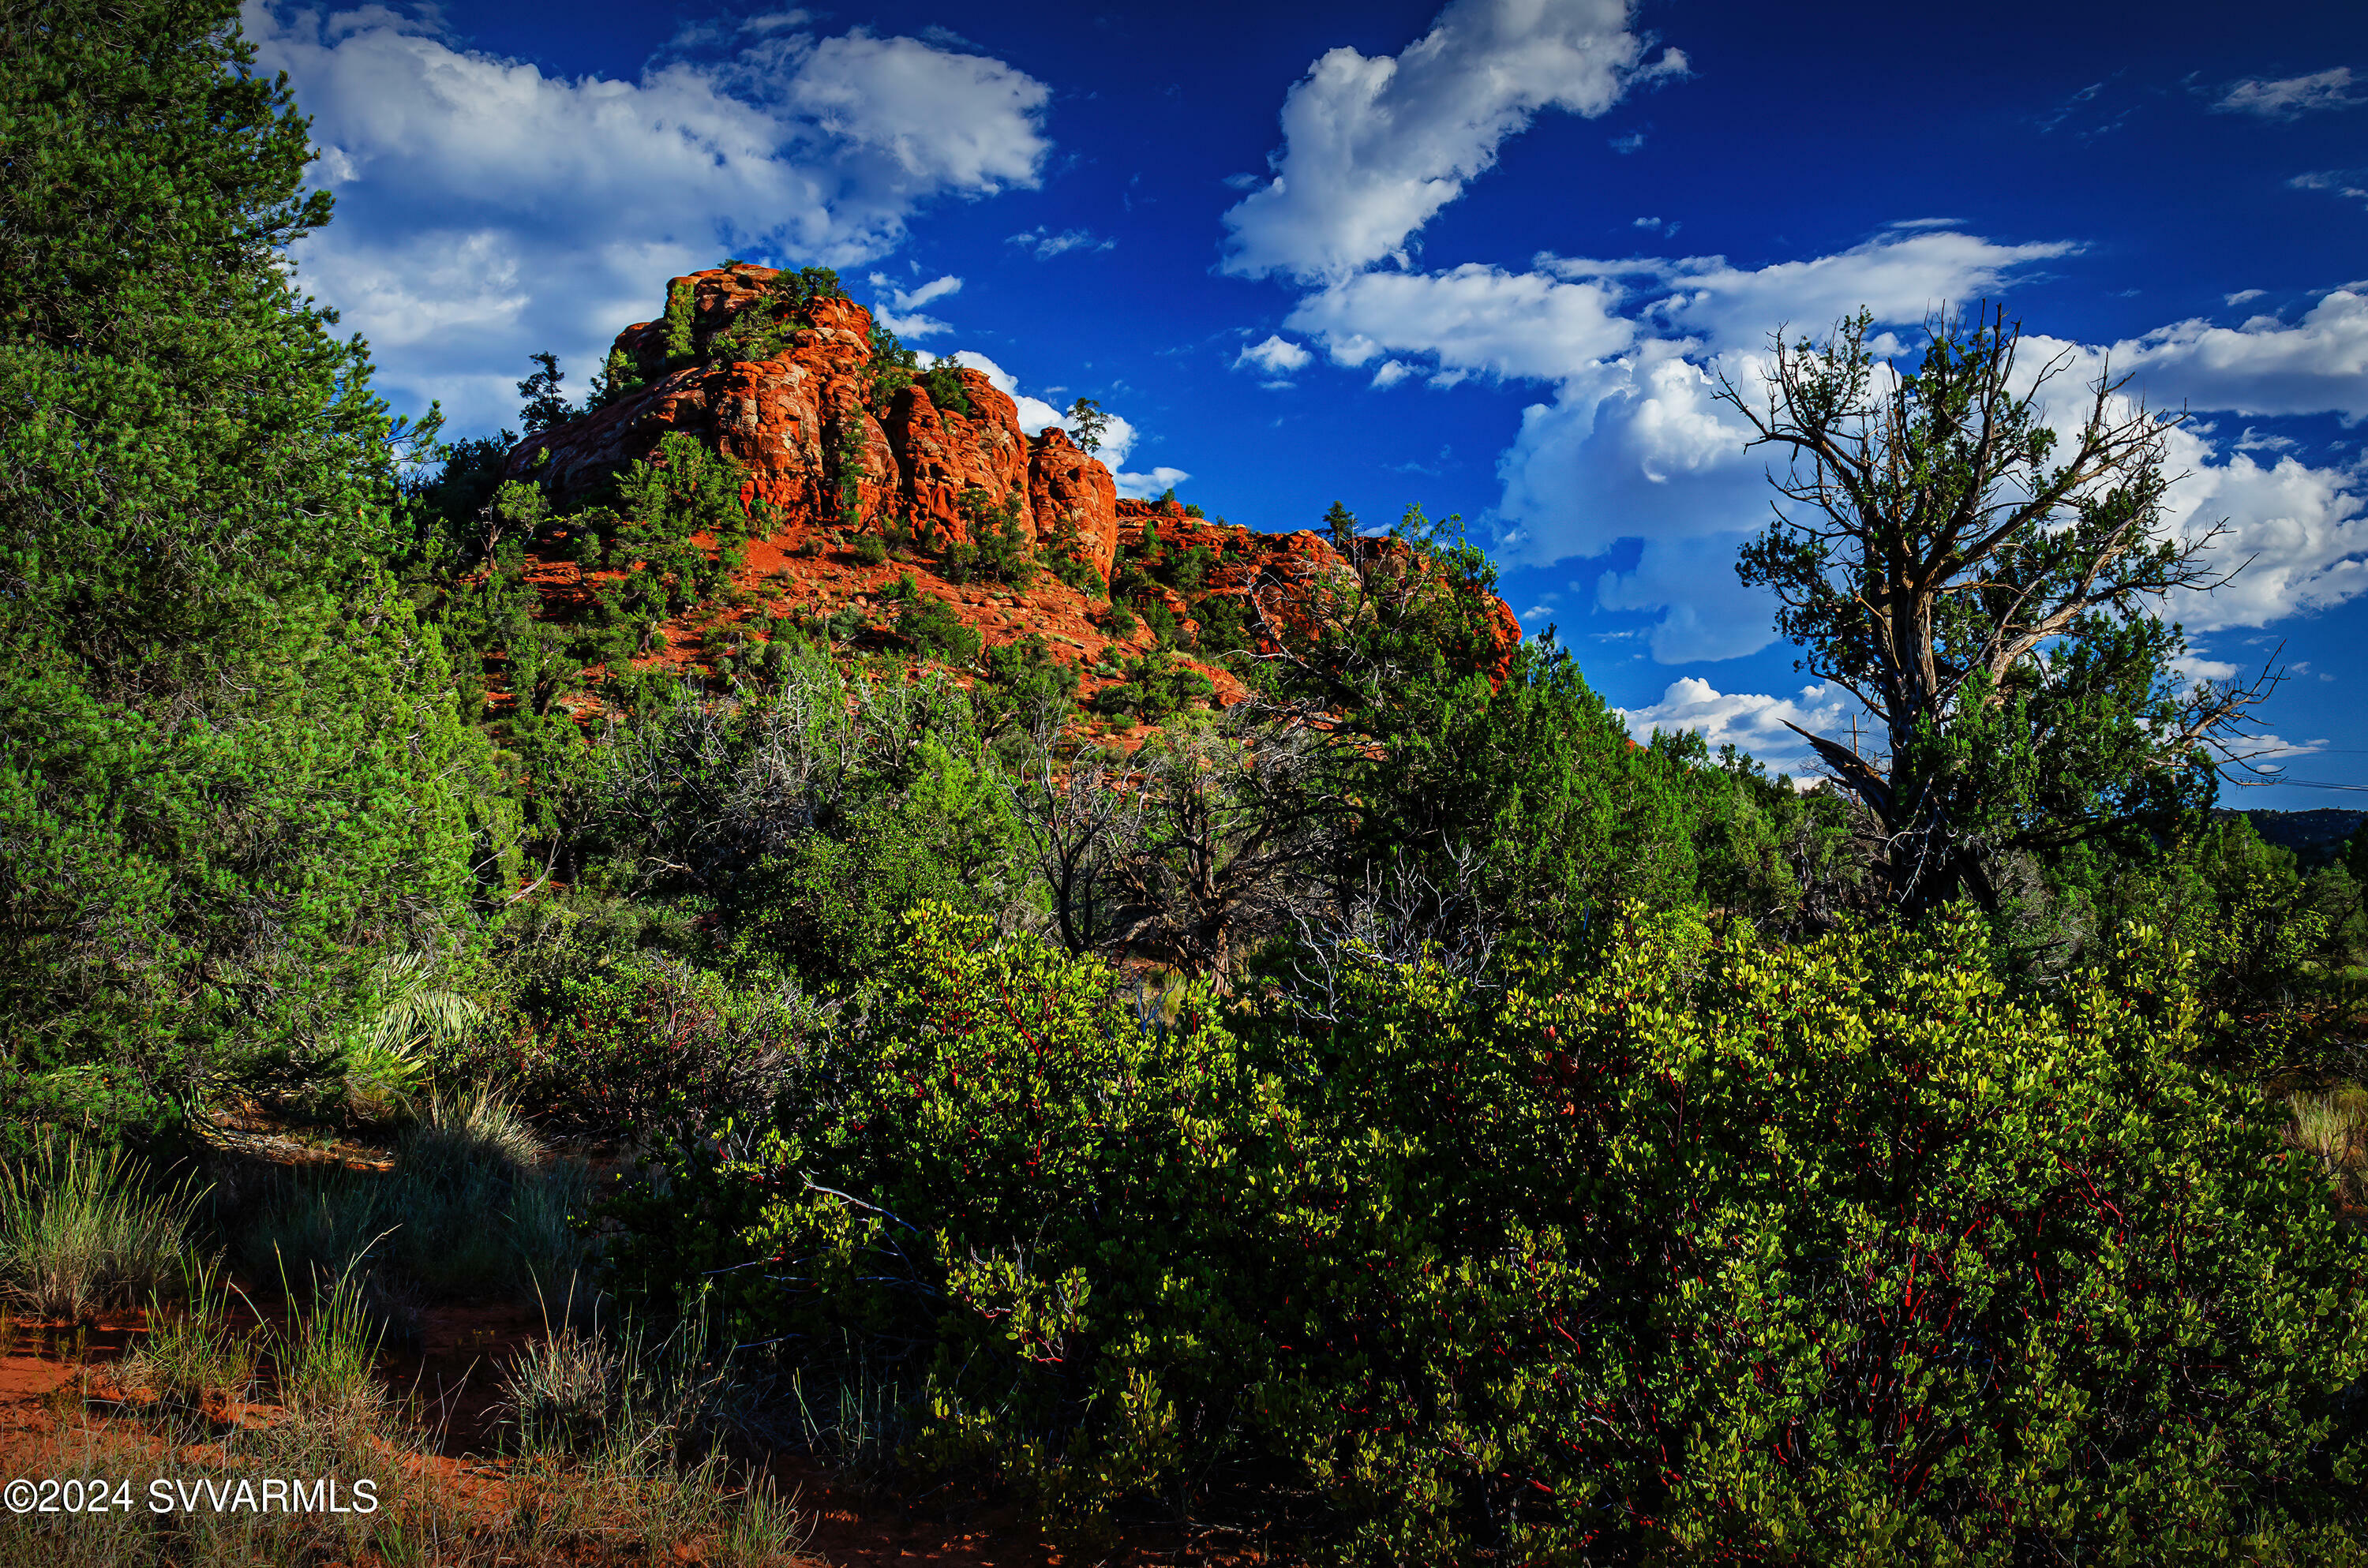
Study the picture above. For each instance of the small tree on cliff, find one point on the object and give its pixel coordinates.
(1992, 602)
(1086, 423)
(541, 405)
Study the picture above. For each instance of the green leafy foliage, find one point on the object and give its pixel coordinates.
(890, 368)
(1989, 598)
(1027, 688)
(1064, 555)
(543, 406)
(1225, 625)
(931, 626)
(942, 380)
(1001, 548)
(1791, 859)
(1087, 424)
(1727, 1251)
(763, 329)
(664, 501)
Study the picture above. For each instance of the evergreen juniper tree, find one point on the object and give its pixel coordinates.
(232, 782)
(1992, 595)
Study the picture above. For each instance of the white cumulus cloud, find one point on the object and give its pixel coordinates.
(1474, 319)
(2264, 367)
(1274, 357)
(1753, 721)
(487, 211)
(1375, 146)
(1634, 443)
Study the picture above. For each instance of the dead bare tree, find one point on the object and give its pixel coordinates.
(1084, 816)
(1234, 823)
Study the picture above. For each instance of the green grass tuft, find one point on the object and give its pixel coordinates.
(80, 1229)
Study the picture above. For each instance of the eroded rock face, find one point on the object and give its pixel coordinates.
(823, 448)
(1068, 489)
(805, 419)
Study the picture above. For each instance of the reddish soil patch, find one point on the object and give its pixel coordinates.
(453, 1369)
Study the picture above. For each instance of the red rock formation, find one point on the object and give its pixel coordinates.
(802, 420)
(1069, 490)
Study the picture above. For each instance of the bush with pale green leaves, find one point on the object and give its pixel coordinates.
(1727, 1251)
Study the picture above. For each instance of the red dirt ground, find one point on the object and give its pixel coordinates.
(454, 1370)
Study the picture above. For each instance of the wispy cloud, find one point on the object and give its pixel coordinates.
(2350, 183)
(2290, 97)
(1044, 245)
(901, 312)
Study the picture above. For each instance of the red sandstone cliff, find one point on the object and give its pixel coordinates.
(801, 420)
(806, 419)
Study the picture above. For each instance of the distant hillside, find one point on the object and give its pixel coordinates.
(2316, 838)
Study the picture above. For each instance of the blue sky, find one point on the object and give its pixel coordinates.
(1481, 258)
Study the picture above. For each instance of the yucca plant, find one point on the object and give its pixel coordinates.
(385, 1068)
(81, 1229)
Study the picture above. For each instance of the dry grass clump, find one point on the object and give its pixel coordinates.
(474, 1130)
(2334, 1127)
(80, 1229)
(618, 1439)
(614, 1459)
(474, 1205)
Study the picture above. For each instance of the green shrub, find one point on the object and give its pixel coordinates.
(943, 382)
(1725, 1253)
(1164, 628)
(1077, 572)
(870, 550)
(934, 629)
(831, 906)
(1157, 685)
(598, 1039)
(1225, 625)
(1001, 547)
(1064, 556)
(1026, 687)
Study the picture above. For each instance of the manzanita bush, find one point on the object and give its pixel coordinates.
(1730, 1252)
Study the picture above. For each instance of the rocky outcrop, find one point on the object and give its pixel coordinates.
(1067, 489)
(1278, 566)
(787, 384)
(809, 416)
